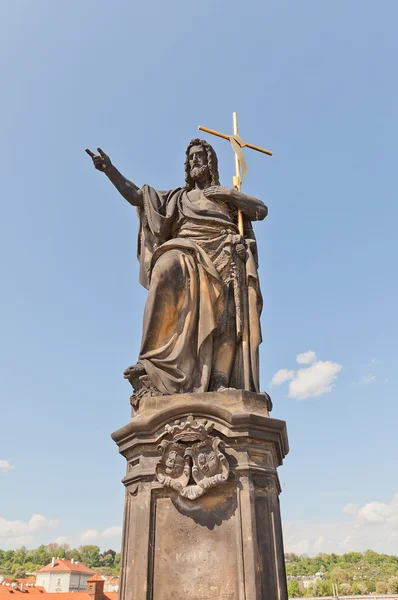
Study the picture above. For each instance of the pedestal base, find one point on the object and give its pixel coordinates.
(226, 542)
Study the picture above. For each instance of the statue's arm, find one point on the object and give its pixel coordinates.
(253, 208)
(126, 188)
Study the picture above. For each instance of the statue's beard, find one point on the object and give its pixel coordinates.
(200, 173)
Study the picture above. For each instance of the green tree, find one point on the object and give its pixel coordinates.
(312, 590)
(107, 571)
(340, 575)
(9, 555)
(40, 556)
(293, 589)
(371, 557)
(352, 557)
(294, 569)
(30, 567)
(90, 555)
(107, 560)
(20, 555)
(18, 571)
(362, 588)
(75, 554)
(325, 588)
(345, 589)
(291, 557)
(381, 587)
(393, 585)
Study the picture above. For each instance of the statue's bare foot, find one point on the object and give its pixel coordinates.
(134, 372)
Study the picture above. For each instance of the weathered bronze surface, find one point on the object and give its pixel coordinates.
(202, 281)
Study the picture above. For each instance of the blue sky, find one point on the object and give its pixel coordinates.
(313, 81)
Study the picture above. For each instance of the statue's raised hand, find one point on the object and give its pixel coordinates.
(218, 192)
(101, 161)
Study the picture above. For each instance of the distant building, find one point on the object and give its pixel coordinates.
(17, 589)
(111, 584)
(94, 591)
(305, 581)
(64, 576)
(27, 581)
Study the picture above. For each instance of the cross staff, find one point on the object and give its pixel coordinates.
(240, 161)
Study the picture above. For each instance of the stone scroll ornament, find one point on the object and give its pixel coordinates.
(192, 461)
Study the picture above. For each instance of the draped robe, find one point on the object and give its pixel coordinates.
(195, 282)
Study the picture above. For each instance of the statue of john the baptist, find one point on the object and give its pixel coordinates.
(196, 267)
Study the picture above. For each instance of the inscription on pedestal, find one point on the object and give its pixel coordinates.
(190, 557)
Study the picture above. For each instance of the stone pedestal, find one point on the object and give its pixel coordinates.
(202, 518)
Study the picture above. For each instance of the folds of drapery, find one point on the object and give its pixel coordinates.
(184, 288)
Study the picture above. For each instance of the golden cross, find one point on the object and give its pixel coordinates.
(240, 161)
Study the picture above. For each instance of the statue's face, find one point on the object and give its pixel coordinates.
(198, 163)
(197, 157)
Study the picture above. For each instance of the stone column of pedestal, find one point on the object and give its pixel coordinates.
(202, 518)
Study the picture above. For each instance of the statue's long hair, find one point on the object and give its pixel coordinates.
(212, 162)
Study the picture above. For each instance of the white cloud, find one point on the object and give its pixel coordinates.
(93, 535)
(378, 512)
(40, 523)
(5, 466)
(368, 379)
(281, 376)
(306, 358)
(113, 531)
(374, 525)
(350, 509)
(60, 540)
(315, 380)
(89, 535)
(39, 528)
(15, 533)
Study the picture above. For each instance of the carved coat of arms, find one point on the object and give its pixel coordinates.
(192, 460)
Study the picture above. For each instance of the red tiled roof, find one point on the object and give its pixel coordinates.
(8, 589)
(67, 565)
(27, 580)
(78, 596)
(94, 578)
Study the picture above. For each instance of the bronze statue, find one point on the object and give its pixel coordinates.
(201, 276)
